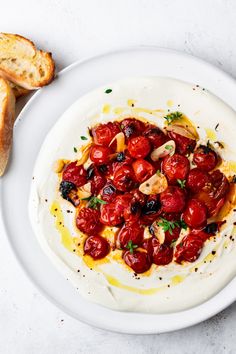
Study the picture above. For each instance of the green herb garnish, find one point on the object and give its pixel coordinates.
(108, 90)
(94, 202)
(171, 225)
(158, 172)
(168, 147)
(83, 137)
(75, 149)
(182, 183)
(131, 246)
(171, 117)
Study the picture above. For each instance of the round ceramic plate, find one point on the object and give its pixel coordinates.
(36, 119)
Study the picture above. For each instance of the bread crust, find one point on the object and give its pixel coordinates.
(39, 61)
(7, 117)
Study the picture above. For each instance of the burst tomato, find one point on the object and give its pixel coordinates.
(151, 210)
(139, 261)
(175, 167)
(104, 133)
(173, 199)
(96, 246)
(154, 135)
(109, 192)
(88, 222)
(100, 154)
(189, 248)
(124, 178)
(139, 197)
(128, 233)
(132, 127)
(139, 147)
(197, 179)
(110, 215)
(142, 170)
(205, 158)
(183, 145)
(75, 174)
(195, 214)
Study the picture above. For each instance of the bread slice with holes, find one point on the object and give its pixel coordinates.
(7, 117)
(23, 64)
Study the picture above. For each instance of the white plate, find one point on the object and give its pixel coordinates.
(33, 124)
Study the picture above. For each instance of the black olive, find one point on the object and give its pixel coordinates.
(90, 171)
(102, 168)
(109, 189)
(65, 188)
(151, 207)
(211, 228)
(120, 157)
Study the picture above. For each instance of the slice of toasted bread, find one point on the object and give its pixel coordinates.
(18, 90)
(7, 117)
(24, 65)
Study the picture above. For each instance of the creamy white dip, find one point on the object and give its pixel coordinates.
(111, 283)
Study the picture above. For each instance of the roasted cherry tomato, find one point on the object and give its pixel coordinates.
(88, 222)
(109, 192)
(142, 170)
(139, 196)
(110, 215)
(151, 210)
(132, 127)
(195, 214)
(96, 246)
(75, 174)
(220, 184)
(205, 158)
(189, 248)
(104, 133)
(172, 235)
(128, 233)
(183, 145)
(162, 254)
(139, 147)
(175, 167)
(139, 261)
(173, 199)
(97, 183)
(132, 212)
(100, 154)
(155, 136)
(124, 178)
(197, 179)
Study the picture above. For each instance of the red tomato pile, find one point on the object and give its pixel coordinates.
(192, 196)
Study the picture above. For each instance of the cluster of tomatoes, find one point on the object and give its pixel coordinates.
(192, 196)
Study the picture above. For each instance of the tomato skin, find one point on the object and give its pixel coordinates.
(100, 154)
(220, 184)
(162, 254)
(197, 179)
(175, 167)
(151, 210)
(97, 183)
(132, 127)
(87, 221)
(139, 261)
(109, 192)
(183, 145)
(205, 158)
(75, 174)
(195, 214)
(172, 236)
(124, 178)
(110, 215)
(173, 199)
(139, 147)
(189, 249)
(155, 136)
(96, 246)
(104, 133)
(139, 197)
(128, 233)
(142, 170)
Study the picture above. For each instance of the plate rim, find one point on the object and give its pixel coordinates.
(35, 283)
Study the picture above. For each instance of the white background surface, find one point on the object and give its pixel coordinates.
(72, 30)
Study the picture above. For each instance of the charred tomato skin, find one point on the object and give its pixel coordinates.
(195, 214)
(205, 158)
(110, 215)
(151, 210)
(128, 233)
(184, 145)
(197, 179)
(132, 127)
(189, 249)
(109, 192)
(176, 167)
(75, 174)
(139, 261)
(87, 221)
(104, 133)
(173, 199)
(139, 147)
(155, 136)
(96, 246)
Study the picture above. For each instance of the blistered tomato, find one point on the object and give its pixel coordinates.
(75, 174)
(88, 222)
(139, 261)
(132, 127)
(96, 246)
(155, 136)
(183, 145)
(173, 199)
(197, 179)
(205, 158)
(110, 215)
(100, 154)
(124, 178)
(195, 214)
(176, 167)
(104, 133)
(128, 233)
(142, 170)
(189, 249)
(139, 147)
